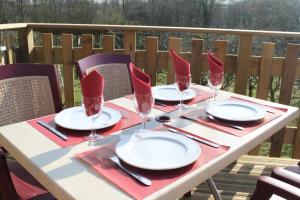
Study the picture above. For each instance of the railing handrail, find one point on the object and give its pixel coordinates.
(89, 27)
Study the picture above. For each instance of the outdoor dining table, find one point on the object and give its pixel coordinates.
(66, 177)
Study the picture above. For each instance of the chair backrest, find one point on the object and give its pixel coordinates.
(115, 70)
(28, 91)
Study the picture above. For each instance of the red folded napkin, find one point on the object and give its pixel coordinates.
(92, 87)
(181, 66)
(142, 89)
(97, 159)
(215, 65)
(199, 117)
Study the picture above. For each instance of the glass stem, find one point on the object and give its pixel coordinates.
(144, 123)
(180, 102)
(214, 94)
(93, 131)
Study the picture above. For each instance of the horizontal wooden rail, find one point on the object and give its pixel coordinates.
(97, 27)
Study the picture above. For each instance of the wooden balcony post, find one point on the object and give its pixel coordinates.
(196, 60)
(220, 47)
(243, 64)
(174, 43)
(287, 82)
(108, 43)
(265, 70)
(87, 44)
(26, 45)
(47, 40)
(10, 49)
(151, 58)
(130, 44)
(67, 60)
(264, 78)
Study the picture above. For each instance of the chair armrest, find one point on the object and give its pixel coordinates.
(267, 186)
(290, 175)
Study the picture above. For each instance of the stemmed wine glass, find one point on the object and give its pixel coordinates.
(143, 104)
(183, 83)
(215, 81)
(93, 108)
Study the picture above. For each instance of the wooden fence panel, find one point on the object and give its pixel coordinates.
(196, 59)
(67, 60)
(151, 58)
(296, 150)
(220, 47)
(87, 45)
(10, 49)
(265, 71)
(130, 44)
(264, 78)
(108, 43)
(26, 44)
(174, 43)
(243, 63)
(47, 41)
(287, 82)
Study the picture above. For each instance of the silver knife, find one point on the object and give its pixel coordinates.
(214, 145)
(53, 130)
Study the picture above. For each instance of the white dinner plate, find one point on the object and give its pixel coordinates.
(236, 110)
(158, 150)
(75, 118)
(170, 93)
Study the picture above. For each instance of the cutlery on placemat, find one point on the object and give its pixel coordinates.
(194, 138)
(225, 123)
(137, 176)
(160, 104)
(53, 130)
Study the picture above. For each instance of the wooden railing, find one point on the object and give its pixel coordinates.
(152, 59)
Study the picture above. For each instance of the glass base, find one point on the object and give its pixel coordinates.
(93, 137)
(182, 107)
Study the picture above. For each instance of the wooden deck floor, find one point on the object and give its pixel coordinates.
(238, 180)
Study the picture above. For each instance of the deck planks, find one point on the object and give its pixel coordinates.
(238, 180)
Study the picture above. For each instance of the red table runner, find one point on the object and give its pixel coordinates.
(199, 117)
(75, 136)
(97, 159)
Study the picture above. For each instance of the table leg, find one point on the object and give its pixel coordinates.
(213, 189)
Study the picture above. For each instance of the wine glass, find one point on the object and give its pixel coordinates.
(143, 104)
(93, 108)
(215, 81)
(183, 83)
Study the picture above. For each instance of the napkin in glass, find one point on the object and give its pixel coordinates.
(92, 87)
(142, 88)
(215, 65)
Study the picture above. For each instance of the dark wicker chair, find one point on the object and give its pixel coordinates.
(115, 70)
(284, 182)
(26, 91)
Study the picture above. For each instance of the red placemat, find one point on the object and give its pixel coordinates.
(199, 116)
(76, 137)
(201, 95)
(97, 159)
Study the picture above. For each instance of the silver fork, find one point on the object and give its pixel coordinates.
(137, 176)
